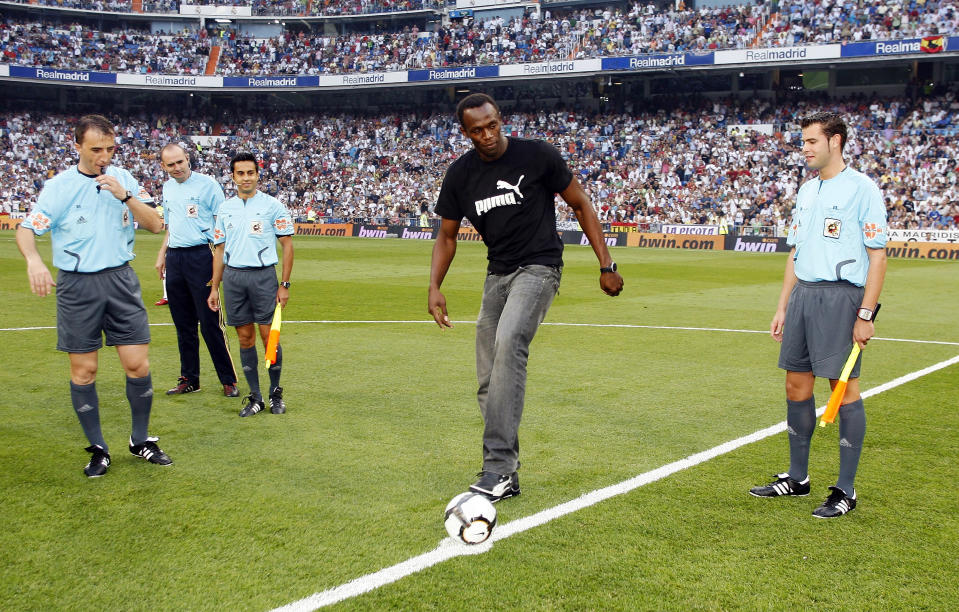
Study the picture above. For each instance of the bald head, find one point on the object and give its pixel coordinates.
(175, 161)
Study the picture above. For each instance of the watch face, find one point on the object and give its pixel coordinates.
(865, 314)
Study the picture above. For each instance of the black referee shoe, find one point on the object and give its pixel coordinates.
(277, 405)
(253, 405)
(783, 485)
(150, 452)
(837, 504)
(99, 462)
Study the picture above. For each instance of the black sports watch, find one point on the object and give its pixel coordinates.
(612, 268)
(128, 196)
(285, 284)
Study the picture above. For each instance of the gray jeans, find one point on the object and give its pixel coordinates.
(513, 307)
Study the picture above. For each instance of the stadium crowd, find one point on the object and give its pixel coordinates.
(553, 34)
(279, 8)
(684, 163)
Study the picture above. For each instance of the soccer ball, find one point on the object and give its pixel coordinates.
(470, 518)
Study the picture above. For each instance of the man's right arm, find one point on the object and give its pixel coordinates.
(444, 249)
(213, 300)
(161, 256)
(41, 281)
(789, 281)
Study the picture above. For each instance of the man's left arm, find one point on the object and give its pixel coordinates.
(862, 331)
(574, 195)
(282, 293)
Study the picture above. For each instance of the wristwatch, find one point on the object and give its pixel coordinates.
(868, 315)
(128, 196)
(285, 284)
(612, 268)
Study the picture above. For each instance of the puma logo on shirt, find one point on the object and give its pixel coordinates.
(505, 185)
(503, 199)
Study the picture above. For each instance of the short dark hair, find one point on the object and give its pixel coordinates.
(243, 156)
(832, 124)
(97, 123)
(474, 100)
(177, 145)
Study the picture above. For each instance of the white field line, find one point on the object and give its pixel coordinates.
(615, 325)
(449, 548)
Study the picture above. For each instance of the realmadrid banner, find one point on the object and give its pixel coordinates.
(169, 80)
(547, 68)
(271, 82)
(929, 44)
(780, 54)
(644, 62)
(454, 74)
(371, 78)
(68, 76)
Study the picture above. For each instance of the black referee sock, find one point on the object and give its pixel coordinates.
(274, 370)
(800, 423)
(87, 406)
(852, 431)
(140, 396)
(250, 363)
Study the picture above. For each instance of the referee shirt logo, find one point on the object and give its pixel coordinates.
(831, 228)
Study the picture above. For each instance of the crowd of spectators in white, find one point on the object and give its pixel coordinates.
(554, 34)
(681, 165)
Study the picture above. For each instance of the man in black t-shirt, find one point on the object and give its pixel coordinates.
(506, 188)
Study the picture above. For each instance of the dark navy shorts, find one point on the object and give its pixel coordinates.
(817, 335)
(96, 304)
(249, 295)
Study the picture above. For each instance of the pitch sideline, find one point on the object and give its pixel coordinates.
(545, 323)
(448, 548)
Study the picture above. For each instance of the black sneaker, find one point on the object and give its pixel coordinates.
(230, 390)
(252, 406)
(99, 462)
(496, 486)
(277, 406)
(837, 504)
(150, 451)
(783, 485)
(184, 385)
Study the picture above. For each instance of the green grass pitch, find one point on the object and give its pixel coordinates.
(383, 430)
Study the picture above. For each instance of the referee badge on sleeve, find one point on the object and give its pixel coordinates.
(831, 228)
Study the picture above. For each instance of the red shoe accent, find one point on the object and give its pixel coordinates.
(161, 302)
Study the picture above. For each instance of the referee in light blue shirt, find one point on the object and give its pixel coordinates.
(90, 211)
(191, 202)
(830, 294)
(247, 229)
